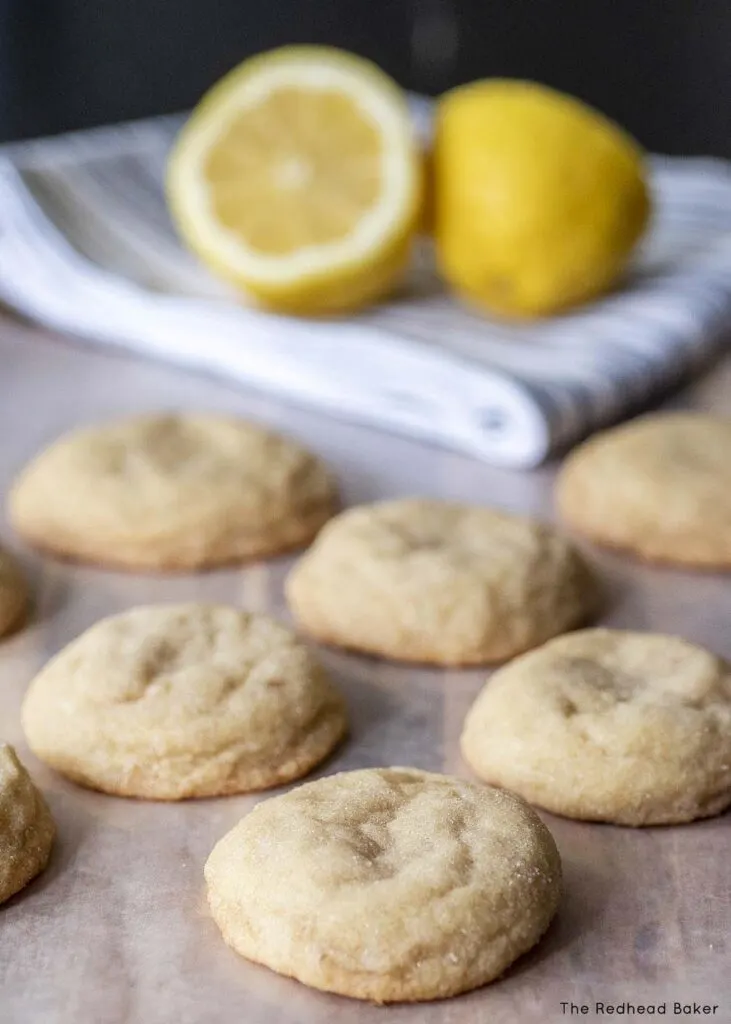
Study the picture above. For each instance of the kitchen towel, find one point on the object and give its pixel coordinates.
(86, 247)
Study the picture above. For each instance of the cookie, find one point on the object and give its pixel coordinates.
(26, 826)
(387, 884)
(14, 594)
(607, 725)
(172, 492)
(658, 487)
(430, 581)
(175, 701)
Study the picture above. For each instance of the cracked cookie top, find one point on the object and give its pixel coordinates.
(172, 701)
(172, 491)
(387, 883)
(609, 725)
(433, 581)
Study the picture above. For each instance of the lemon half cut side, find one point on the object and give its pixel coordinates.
(298, 178)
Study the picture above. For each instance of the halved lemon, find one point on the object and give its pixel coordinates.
(298, 178)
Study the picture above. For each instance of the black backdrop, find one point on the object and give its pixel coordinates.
(661, 67)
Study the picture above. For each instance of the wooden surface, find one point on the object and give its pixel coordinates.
(116, 930)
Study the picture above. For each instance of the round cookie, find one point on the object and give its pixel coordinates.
(174, 701)
(171, 492)
(26, 826)
(658, 487)
(607, 725)
(387, 884)
(429, 581)
(14, 594)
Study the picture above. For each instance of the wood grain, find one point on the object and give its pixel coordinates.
(116, 931)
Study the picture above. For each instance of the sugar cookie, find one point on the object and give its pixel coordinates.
(26, 826)
(174, 701)
(172, 492)
(387, 884)
(429, 581)
(14, 594)
(608, 725)
(658, 487)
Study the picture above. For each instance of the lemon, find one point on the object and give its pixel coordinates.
(539, 199)
(298, 178)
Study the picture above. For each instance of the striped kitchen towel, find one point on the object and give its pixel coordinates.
(86, 247)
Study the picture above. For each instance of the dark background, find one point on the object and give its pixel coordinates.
(661, 67)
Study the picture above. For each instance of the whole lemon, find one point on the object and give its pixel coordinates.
(539, 200)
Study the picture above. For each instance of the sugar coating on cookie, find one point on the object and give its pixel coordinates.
(26, 826)
(14, 593)
(174, 701)
(387, 884)
(172, 492)
(430, 581)
(658, 487)
(609, 725)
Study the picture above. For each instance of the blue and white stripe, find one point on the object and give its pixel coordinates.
(86, 246)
